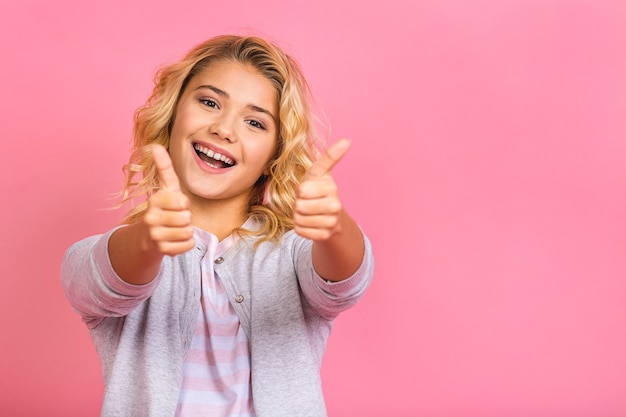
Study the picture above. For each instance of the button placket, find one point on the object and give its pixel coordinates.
(239, 298)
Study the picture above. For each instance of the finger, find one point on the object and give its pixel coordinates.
(314, 207)
(322, 221)
(169, 201)
(168, 179)
(164, 235)
(165, 218)
(176, 248)
(329, 159)
(313, 233)
(320, 188)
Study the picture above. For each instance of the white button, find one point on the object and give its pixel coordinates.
(219, 260)
(239, 298)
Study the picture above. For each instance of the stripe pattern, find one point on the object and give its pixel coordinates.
(216, 372)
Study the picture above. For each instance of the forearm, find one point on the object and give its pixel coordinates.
(133, 256)
(339, 256)
(91, 284)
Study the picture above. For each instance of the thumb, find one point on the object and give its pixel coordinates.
(329, 159)
(168, 179)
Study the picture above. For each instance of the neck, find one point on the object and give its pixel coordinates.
(219, 217)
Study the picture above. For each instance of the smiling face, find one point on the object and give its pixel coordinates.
(224, 133)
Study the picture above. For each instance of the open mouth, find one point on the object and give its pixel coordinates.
(211, 158)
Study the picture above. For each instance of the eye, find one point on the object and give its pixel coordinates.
(256, 123)
(209, 103)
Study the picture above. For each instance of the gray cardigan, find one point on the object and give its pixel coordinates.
(142, 333)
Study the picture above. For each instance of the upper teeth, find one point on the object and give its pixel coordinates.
(215, 155)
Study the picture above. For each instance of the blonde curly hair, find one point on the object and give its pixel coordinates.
(272, 201)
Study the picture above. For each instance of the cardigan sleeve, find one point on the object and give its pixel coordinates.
(92, 286)
(327, 297)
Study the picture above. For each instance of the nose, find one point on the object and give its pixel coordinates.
(222, 127)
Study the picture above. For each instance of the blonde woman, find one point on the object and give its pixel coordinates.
(216, 295)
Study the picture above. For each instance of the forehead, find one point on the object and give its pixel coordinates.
(241, 82)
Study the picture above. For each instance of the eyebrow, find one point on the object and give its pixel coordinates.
(215, 89)
(223, 93)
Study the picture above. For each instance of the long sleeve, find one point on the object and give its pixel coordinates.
(92, 286)
(331, 298)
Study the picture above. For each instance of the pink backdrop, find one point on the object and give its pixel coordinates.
(487, 167)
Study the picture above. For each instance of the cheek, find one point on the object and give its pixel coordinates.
(187, 118)
(177, 145)
(179, 125)
(269, 154)
(272, 149)
(261, 155)
(175, 134)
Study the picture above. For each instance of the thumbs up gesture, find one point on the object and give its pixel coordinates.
(318, 208)
(168, 216)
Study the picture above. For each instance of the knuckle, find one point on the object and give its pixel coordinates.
(155, 236)
(334, 206)
(150, 218)
(183, 201)
(183, 218)
(298, 207)
(188, 232)
(163, 247)
(331, 223)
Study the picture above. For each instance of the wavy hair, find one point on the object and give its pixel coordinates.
(272, 200)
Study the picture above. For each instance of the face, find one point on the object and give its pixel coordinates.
(224, 134)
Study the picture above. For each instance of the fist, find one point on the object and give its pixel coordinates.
(318, 209)
(168, 217)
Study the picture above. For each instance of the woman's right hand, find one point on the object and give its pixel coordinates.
(168, 217)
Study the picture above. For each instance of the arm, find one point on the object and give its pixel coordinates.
(136, 251)
(338, 243)
(92, 286)
(102, 275)
(339, 256)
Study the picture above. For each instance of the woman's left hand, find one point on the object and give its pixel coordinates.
(318, 209)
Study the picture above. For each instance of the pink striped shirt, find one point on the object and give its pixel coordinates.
(216, 372)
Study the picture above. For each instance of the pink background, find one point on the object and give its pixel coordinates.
(487, 167)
